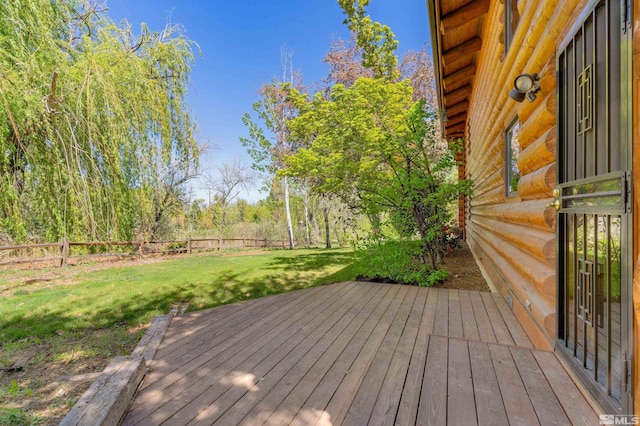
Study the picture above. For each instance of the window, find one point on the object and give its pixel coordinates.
(511, 19)
(512, 152)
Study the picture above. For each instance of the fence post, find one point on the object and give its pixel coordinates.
(189, 245)
(64, 252)
(244, 243)
(140, 249)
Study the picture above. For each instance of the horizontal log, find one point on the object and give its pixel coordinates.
(462, 75)
(458, 118)
(457, 95)
(461, 51)
(536, 272)
(457, 108)
(30, 246)
(541, 39)
(494, 196)
(538, 184)
(532, 213)
(539, 154)
(95, 256)
(541, 244)
(38, 260)
(488, 158)
(103, 243)
(455, 129)
(492, 181)
(542, 119)
(542, 305)
(461, 16)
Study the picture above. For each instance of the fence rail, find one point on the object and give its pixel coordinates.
(43, 253)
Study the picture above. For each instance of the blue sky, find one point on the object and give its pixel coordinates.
(240, 43)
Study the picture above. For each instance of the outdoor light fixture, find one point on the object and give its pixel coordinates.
(526, 86)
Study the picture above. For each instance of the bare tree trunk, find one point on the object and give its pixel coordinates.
(288, 210)
(326, 221)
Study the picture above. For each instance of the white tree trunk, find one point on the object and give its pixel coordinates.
(326, 221)
(288, 210)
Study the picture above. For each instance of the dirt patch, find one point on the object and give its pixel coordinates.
(41, 380)
(464, 273)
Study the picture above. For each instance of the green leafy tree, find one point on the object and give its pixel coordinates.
(379, 151)
(377, 42)
(95, 132)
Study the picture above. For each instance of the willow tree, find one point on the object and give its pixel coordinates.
(95, 132)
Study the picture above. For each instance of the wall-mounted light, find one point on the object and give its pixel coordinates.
(525, 86)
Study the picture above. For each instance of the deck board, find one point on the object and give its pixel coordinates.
(489, 405)
(273, 368)
(518, 334)
(498, 325)
(352, 354)
(485, 329)
(313, 406)
(469, 324)
(369, 368)
(548, 409)
(455, 315)
(461, 405)
(433, 396)
(386, 407)
(408, 407)
(516, 400)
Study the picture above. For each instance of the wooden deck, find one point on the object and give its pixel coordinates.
(356, 354)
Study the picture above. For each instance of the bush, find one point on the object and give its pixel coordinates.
(399, 261)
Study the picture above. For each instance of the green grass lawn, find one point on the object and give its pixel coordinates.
(133, 295)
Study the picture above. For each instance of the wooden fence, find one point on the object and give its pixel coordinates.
(62, 253)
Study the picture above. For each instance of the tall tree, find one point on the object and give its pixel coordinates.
(378, 150)
(91, 118)
(274, 110)
(377, 42)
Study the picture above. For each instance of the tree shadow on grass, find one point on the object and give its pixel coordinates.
(225, 288)
(312, 261)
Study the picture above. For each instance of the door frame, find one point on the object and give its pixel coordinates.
(626, 135)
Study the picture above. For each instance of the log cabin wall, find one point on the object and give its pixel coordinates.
(636, 207)
(513, 238)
